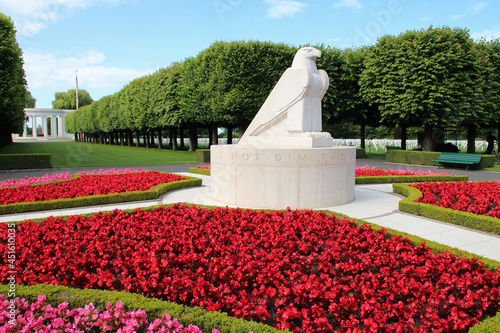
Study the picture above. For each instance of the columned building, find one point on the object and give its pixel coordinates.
(45, 119)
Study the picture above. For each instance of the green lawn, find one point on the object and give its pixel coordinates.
(75, 154)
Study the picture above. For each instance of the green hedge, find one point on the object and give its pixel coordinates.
(203, 155)
(490, 325)
(426, 158)
(24, 161)
(200, 171)
(466, 219)
(360, 153)
(78, 298)
(95, 200)
(407, 179)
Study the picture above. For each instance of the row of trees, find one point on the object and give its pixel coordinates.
(427, 79)
(13, 90)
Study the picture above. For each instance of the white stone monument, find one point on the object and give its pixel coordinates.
(284, 159)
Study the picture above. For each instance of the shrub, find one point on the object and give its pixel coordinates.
(203, 155)
(24, 161)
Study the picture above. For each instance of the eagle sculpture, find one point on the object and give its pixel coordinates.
(293, 108)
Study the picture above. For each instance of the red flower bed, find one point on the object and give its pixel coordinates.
(87, 185)
(482, 198)
(368, 171)
(299, 270)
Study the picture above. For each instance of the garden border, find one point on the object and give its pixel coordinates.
(154, 307)
(200, 171)
(466, 219)
(94, 200)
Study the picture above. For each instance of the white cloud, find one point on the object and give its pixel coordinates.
(47, 70)
(355, 4)
(426, 18)
(32, 16)
(488, 34)
(476, 7)
(281, 8)
(457, 16)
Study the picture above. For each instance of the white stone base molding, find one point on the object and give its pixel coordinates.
(281, 177)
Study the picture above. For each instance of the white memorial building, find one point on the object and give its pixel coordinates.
(42, 120)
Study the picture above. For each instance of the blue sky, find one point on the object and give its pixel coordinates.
(111, 42)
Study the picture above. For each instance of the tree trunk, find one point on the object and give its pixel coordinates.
(471, 139)
(121, 138)
(173, 137)
(363, 135)
(214, 136)
(151, 138)
(427, 139)
(137, 138)
(160, 139)
(404, 136)
(242, 127)
(146, 138)
(193, 138)
(230, 135)
(181, 134)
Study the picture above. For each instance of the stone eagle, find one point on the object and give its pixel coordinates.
(293, 108)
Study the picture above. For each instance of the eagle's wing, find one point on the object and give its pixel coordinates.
(290, 88)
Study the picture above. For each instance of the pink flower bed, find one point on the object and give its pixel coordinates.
(206, 166)
(60, 176)
(41, 317)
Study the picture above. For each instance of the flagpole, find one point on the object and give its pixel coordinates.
(76, 89)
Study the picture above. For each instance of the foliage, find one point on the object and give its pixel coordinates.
(30, 100)
(13, 90)
(67, 100)
(428, 78)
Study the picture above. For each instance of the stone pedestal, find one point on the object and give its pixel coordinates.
(281, 177)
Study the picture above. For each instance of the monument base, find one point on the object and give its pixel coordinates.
(281, 177)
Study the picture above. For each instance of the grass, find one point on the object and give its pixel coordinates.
(76, 154)
(494, 168)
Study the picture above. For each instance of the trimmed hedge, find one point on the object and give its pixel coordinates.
(94, 200)
(78, 298)
(200, 171)
(203, 155)
(24, 161)
(360, 153)
(466, 219)
(407, 179)
(490, 325)
(427, 157)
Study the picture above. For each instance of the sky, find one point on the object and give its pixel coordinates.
(111, 42)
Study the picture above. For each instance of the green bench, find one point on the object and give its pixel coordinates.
(459, 158)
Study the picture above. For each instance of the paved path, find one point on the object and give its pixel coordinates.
(373, 203)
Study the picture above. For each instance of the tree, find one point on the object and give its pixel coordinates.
(67, 100)
(12, 83)
(425, 78)
(30, 100)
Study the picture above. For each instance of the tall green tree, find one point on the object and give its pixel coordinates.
(426, 78)
(67, 100)
(12, 82)
(30, 101)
